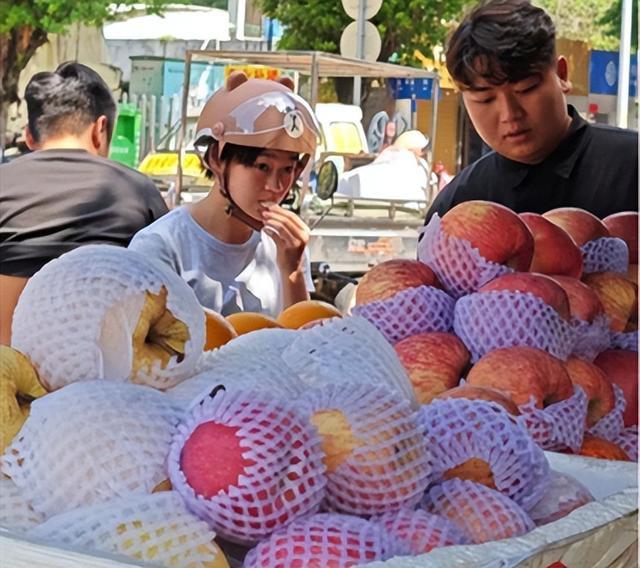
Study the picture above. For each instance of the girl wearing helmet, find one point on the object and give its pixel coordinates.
(237, 248)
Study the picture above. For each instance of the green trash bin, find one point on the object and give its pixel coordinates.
(125, 143)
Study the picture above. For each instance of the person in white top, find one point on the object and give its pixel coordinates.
(238, 248)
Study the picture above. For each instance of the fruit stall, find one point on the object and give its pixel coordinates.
(476, 407)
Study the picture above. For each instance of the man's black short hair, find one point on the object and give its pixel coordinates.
(67, 100)
(501, 41)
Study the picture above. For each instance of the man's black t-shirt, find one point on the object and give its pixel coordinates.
(52, 201)
(595, 168)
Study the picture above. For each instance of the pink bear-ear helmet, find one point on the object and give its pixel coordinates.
(260, 113)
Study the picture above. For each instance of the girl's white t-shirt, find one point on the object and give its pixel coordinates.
(225, 277)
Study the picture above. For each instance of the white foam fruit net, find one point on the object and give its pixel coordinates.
(419, 531)
(591, 338)
(409, 312)
(458, 430)
(612, 423)
(15, 512)
(76, 317)
(627, 439)
(482, 513)
(385, 466)
(563, 494)
(323, 540)
(285, 476)
(487, 321)
(347, 350)
(90, 442)
(459, 266)
(154, 528)
(254, 363)
(626, 340)
(558, 426)
(605, 254)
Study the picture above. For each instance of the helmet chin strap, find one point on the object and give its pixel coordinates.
(234, 210)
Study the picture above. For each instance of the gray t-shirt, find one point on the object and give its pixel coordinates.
(227, 278)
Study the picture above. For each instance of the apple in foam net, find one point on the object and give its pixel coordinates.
(522, 373)
(624, 225)
(594, 382)
(472, 392)
(498, 233)
(581, 225)
(621, 367)
(555, 252)
(584, 303)
(392, 276)
(434, 362)
(541, 286)
(618, 295)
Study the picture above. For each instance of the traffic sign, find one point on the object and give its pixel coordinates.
(370, 8)
(372, 41)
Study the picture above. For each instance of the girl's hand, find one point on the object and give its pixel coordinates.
(290, 234)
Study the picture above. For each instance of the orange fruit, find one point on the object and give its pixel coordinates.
(301, 313)
(244, 322)
(218, 330)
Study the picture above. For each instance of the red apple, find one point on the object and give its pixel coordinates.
(392, 276)
(523, 372)
(434, 362)
(472, 392)
(596, 447)
(495, 230)
(632, 273)
(584, 303)
(545, 288)
(555, 252)
(621, 367)
(618, 295)
(624, 225)
(581, 225)
(208, 477)
(594, 382)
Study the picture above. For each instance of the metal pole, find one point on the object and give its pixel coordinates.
(622, 109)
(435, 95)
(183, 125)
(357, 81)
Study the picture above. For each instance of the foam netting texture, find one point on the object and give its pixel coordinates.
(387, 468)
(627, 341)
(457, 430)
(326, 539)
(459, 266)
(347, 350)
(90, 442)
(76, 316)
(564, 494)
(286, 479)
(155, 528)
(486, 321)
(420, 531)
(558, 426)
(591, 338)
(605, 254)
(482, 513)
(249, 362)
(612, 423)
(409, 312)
(15, 512)
(627, 439)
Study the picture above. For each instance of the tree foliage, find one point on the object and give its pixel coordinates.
(25, 25)
(404, 25)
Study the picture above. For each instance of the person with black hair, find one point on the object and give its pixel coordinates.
(544, 155)
(66, 193)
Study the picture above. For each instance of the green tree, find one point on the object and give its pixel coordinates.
(25, 25)
(404, 25)
(594, 21)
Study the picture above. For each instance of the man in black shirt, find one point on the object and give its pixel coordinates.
(502, 57)
(66, 193)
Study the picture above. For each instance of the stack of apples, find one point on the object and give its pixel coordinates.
(533, 292)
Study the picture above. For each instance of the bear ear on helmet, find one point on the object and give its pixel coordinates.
(236, 78)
